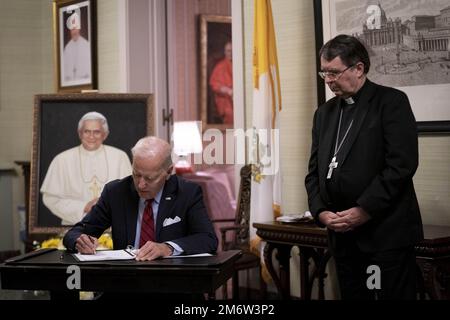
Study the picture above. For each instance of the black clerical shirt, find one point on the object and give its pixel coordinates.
(348, 113)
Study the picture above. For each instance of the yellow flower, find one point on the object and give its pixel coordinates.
(105, 241)
(52, 243)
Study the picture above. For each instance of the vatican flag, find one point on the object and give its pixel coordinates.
(264, 148)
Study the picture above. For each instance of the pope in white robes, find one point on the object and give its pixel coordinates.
(76, 177)
(76, 54)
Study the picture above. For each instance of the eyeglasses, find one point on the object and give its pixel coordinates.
(333, 75)
(147, 180)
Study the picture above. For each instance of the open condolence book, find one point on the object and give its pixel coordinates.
(104, 255)
(126, 254)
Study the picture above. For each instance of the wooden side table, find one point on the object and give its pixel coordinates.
(432, 256)
(433, 259)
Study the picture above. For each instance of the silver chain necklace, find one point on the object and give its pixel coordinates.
(337, 146)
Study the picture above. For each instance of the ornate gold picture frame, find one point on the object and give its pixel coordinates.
(216, 97)
(55, 129)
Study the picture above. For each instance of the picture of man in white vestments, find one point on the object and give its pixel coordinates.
(76, 54)
(75, 177)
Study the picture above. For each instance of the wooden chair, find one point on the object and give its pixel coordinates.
(241, 237)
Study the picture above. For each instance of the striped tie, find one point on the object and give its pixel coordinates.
(147, 224)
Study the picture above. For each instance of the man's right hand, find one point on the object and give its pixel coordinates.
(86, 244)
(89, 205)
(329, 218)
(326, 217)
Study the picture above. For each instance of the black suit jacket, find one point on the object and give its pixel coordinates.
(376, 166)
(118, 208)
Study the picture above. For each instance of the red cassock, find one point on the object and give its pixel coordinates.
(222, 75)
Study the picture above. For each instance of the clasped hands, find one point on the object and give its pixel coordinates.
(86, 244)
(344, 221)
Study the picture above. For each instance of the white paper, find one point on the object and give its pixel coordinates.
(295, 218)
(105, 255)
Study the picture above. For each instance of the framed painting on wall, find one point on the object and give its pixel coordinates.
(74, 25)
(216, 76)
(59, 134)
(409, 46)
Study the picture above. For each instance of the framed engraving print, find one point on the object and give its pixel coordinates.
(409, 48)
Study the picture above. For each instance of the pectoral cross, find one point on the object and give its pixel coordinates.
(95, 189)
(333, 165)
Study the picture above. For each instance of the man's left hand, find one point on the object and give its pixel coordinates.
(349, 219)
(153, 250)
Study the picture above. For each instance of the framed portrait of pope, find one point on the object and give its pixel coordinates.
(75, 44)
(80, 143)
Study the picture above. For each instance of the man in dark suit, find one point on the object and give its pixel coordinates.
(159, 213)
(364, 154)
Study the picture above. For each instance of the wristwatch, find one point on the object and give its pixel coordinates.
(172, 249)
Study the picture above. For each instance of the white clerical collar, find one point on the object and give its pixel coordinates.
(349, 100)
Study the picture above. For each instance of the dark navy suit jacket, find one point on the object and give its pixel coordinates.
(118, 208)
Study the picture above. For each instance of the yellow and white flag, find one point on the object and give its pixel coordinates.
(264, 157)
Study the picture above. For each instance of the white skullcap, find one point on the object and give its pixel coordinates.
(73, 22)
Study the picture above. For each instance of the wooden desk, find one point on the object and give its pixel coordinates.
(432, 255)
(47, 271)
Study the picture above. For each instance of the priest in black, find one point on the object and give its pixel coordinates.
(364, 155)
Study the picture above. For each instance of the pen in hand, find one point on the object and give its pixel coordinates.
(94, 242)
(86, 244)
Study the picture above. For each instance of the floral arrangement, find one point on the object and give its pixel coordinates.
(52, 243)
(104, 242)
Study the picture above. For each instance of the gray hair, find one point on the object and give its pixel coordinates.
(94, 116)
(151, 147)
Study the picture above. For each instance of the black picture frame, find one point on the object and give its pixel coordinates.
(63, 11)
(55, 120)
(423, 127)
